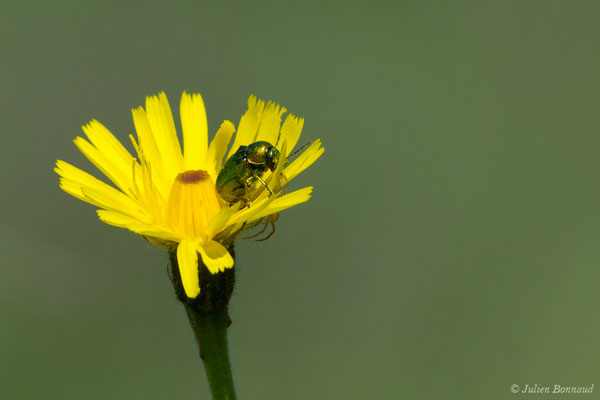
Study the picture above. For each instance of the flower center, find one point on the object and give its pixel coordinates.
(193, 201)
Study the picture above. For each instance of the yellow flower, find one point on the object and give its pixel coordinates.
(170, 198)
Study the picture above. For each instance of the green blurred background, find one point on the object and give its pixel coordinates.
(451, 246)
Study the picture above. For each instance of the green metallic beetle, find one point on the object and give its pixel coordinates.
(244, 168)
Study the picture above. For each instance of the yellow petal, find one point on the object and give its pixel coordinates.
(215, 256)
(116, 218)
(247, 213)
(116, 201)
(75, 191)
(187, 258)
(82, 178)
(162, 125)
(120, 176)
(290, 132)
(304, 160)
(270, 123)
(249, 123)
(149, 152)
(151, 232)
(108, 145)
(218, 148)
(219, 221)
(195, 131)
(155, 231)
(87, 188)
(283, 202)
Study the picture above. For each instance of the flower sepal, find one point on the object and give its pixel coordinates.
(215, 289)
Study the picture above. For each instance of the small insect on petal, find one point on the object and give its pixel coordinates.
(245, 167)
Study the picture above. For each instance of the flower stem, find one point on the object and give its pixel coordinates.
(211, 336)
(209, 320)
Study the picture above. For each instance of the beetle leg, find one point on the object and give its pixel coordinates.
(264, 184)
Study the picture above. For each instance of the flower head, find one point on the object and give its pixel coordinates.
(170, 197)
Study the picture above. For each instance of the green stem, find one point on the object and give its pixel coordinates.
(209, 319)
(211, 335)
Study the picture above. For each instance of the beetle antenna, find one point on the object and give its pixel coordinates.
(297, 151)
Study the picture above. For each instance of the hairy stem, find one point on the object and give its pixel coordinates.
(209, 320)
